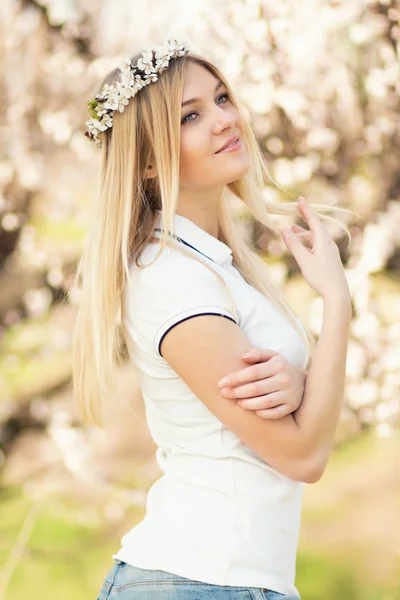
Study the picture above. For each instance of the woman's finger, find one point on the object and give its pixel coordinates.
(258, 371)
(259, 354)
(266, 385)
(299, 228)
(267, 401)
(303, 234)
(309, 215)
(293, 243)
(274, 413)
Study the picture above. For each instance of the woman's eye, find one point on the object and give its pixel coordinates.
(186, 118)
(222, 95)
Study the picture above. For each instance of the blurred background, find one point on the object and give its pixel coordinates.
(321, 82)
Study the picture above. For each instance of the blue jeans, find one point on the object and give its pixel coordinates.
(125, 582)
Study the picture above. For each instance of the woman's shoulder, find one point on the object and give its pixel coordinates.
(172, 283)
(168, 267)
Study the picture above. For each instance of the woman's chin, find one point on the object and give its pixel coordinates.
(237, 174)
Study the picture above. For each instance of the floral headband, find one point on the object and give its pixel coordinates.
(132, 79)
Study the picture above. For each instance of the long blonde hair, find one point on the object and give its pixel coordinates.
(148, 132)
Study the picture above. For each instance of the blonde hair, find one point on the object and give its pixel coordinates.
(148, 132)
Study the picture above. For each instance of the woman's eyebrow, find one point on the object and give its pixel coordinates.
(219, 84)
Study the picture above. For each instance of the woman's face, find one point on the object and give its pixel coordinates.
(206, 125)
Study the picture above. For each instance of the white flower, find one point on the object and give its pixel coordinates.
(146, 68)
(89, 123)
(95, 127)
(127, 91)
(162, 63)
(116, 102)
(105, 124)
(126, 79)
(151, 78)
(147, 56)
(108, 88)
(162, 52)
(176, 48)
(122, 102)
(146, 62)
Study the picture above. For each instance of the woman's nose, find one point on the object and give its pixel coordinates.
(222, 120)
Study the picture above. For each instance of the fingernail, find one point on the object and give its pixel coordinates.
(287, 232)
(223, 381)
(247, 355)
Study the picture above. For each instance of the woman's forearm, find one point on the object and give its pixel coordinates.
(318, 415)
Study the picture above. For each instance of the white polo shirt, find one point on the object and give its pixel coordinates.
(220, 513)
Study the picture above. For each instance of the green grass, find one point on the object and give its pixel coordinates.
(320, 576)
(64, 558)
(333, 576)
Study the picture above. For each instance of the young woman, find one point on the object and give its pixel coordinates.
(166, 260)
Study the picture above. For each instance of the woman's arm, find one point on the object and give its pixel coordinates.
(316, 419)
(320, 263)
(201, 350)
(318, 414)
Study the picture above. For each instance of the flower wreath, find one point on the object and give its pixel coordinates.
(132, 79)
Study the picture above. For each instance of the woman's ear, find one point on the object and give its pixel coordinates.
(150, 172)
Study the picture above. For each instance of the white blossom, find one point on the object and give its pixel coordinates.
(146, 63)
(150, 78)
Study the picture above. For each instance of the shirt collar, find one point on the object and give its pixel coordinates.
(194, 235)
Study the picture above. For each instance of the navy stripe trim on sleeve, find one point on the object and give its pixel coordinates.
(185, 319)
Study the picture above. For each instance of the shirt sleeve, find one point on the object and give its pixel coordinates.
(165, 294)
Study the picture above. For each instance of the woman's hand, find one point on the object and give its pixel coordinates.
(272, 386)
(320, 264)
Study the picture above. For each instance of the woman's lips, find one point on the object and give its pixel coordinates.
(232, 148)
